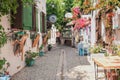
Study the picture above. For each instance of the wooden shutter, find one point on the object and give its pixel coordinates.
(36, 20)
(27, 17)
(43, 22)
(17, 18)
(40, 21)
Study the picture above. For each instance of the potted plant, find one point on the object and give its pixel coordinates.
(30, 58)
(95, 49)
(4, 74)
(117, 51)
(49, 47)
(41, 52)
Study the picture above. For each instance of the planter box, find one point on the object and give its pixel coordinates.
(30, 62)
(41, 53)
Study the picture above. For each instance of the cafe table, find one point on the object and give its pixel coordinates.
(107, 63)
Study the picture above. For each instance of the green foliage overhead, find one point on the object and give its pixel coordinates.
(57, 8)
(11, 5)
(60, 8)
(68, 5)
(7, 5)
(78, 3)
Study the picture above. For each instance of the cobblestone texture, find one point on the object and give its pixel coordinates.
(62, 63)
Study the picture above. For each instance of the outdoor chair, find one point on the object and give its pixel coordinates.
(86, 49)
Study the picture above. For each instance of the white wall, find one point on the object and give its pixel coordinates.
(16, 64)
(93, 27)
(41, 7)
(7, 51)
(103, 31)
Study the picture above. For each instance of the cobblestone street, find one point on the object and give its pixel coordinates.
(61, 63)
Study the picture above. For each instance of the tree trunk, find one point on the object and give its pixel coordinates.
(98, 29)
(108, 29)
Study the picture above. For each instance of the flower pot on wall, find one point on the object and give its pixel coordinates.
(30, 62)
(41, 53)
(30, 58)
(49, 47)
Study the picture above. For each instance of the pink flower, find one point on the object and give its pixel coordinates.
(80, 23)
(76, 10)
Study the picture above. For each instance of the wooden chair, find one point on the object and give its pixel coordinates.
(19, 44)
(36, 40)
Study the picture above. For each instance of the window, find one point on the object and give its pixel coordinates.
(42, 22)
(25, 18)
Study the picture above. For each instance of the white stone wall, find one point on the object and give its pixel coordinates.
(93, 27)
(41, 4)
(16, 64)
(52, 39)
(41, 7)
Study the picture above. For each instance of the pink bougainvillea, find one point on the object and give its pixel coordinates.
(76, 12)
(81, 22)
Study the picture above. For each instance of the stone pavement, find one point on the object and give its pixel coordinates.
(61, 63)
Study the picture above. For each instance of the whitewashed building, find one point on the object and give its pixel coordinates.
(31, 19)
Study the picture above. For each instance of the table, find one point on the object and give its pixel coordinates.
(111, 62)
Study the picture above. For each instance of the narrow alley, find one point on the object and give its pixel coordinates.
(59, 39)
(61, 63)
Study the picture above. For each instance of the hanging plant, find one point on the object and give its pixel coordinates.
(3, 37)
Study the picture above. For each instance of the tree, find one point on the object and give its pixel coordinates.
(68, 5)
(60, 8)
(56, 7)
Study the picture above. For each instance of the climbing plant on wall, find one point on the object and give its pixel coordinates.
(56, 7)
(106, 12)
(3, 38)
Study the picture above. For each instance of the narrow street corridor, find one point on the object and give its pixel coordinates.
(61, 63)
